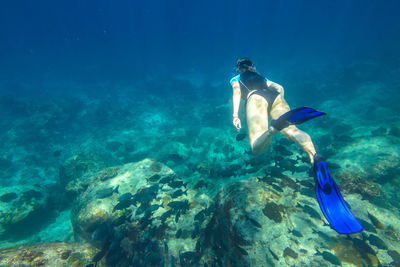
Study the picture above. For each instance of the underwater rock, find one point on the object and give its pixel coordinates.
(273, 211)
(379, 131)
(395, 131)
(76, 254)
(8, 197)
(395, 256)
(366, 188)
(248, 220)
(140, 223)
(288, 252)
(107, 173)
(75, 172)
(113, 146)
(23, 214)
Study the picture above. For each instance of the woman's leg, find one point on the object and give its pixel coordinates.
(257, 122)
(292, 132)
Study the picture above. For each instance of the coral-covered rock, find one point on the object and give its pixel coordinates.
(74, 174)
(48, 254)
(254, 226)
(143, 215)
(349, 182)
(20, 206)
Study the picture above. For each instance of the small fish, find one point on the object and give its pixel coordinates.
(242, 250)
(329, 257)
(167, 179)
(287, 164)
(166, 215)
(296, 233)
(155, 207)
(275, 172)
(125, 196)
(177, 215)
(310, 211)
(187, 258)
(240, 136)
(145, 194)
(200, 216)
(99, 255)
(377, 242)
(154, 178)
(209, 210)
(178, 233)
(175, 157)
(333, 166)
(367, 226)
(201, 183)
(253, 221)
(57, 153)
(196, 231)
(306, 183)
(177, 184)
(277, 188)
(307, 192)
(273, 254)
(123, 204)
(376, 222)
(282, 150)
(362, 246)
(107, 192)
(302, 168)
(143, 207)
(178, 193)
(119, 221)
(179, 205)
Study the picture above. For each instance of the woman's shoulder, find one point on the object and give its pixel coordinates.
(235, 79)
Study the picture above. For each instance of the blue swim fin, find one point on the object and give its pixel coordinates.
(331, 202)
(295, 116)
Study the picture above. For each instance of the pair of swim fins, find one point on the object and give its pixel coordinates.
(330, 200)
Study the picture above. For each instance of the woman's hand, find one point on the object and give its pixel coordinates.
(236, 123)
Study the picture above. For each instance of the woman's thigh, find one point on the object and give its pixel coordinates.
(279, 107)
(256, 116)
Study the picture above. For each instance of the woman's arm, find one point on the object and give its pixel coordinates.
(236, 104)
(236, 98)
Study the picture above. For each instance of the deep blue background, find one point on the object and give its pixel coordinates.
(123, 40)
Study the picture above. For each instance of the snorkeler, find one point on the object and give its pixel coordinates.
(265, 99)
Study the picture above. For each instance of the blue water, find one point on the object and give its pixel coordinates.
(122, 79)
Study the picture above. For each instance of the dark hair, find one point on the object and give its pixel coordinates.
(244, 64)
